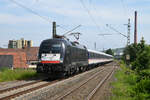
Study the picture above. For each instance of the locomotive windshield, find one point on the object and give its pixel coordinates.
(56, 48)
(50, 48)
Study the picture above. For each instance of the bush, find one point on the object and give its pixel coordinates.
(134, 50)
(135, 81)
(145, 74)
(131, 85)
(143, 60)
(142, 90)
(123, 87)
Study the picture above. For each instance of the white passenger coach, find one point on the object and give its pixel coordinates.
(96, 57)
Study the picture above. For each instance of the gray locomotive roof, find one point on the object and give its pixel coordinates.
(98, 52)
(58, 39)
(67, 42)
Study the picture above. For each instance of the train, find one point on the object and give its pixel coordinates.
(61, 56)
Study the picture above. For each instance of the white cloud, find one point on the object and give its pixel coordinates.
(14, 19)
(72, 13)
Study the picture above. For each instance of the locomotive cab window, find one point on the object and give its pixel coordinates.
(56, 48)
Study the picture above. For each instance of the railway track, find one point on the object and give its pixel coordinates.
(90, 95)
(13, 92)
(19, 86)
(19, 91)
(16, 91)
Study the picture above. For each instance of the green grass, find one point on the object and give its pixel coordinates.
(130, 85)
(16, 74)
(124, 84)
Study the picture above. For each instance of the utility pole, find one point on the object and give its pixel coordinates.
(129, 26)
(95, 45)
(54, 30)
(135, 28)
(128, 33)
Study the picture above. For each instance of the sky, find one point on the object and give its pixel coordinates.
(93, 15)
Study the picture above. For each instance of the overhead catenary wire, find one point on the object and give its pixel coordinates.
(90, 3)
(124, 8)
(71, 30)
(33, 12)
(115, 30)
(60, 26)
(92, 6)
(30, 10)
(89, 13)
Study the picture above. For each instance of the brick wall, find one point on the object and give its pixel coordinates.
(19, 58)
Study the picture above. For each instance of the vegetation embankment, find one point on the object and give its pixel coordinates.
(133, 79)
(16, 74)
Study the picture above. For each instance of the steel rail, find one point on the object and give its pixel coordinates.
(72, 90)
(28, 90)
(19, 86)
(89, 97)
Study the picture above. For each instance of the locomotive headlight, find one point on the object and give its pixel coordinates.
(61, 60)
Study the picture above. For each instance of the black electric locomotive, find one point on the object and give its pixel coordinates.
(59, 55)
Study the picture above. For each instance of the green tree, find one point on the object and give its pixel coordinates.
(109, 51)
(134, 50)
(143, 59)
(140, 64)
(131, 50)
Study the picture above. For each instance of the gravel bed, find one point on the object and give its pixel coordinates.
(104, 92)
(55, 90)
(10, 84)
(21, 89)
(5, 85)
(83, 92)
